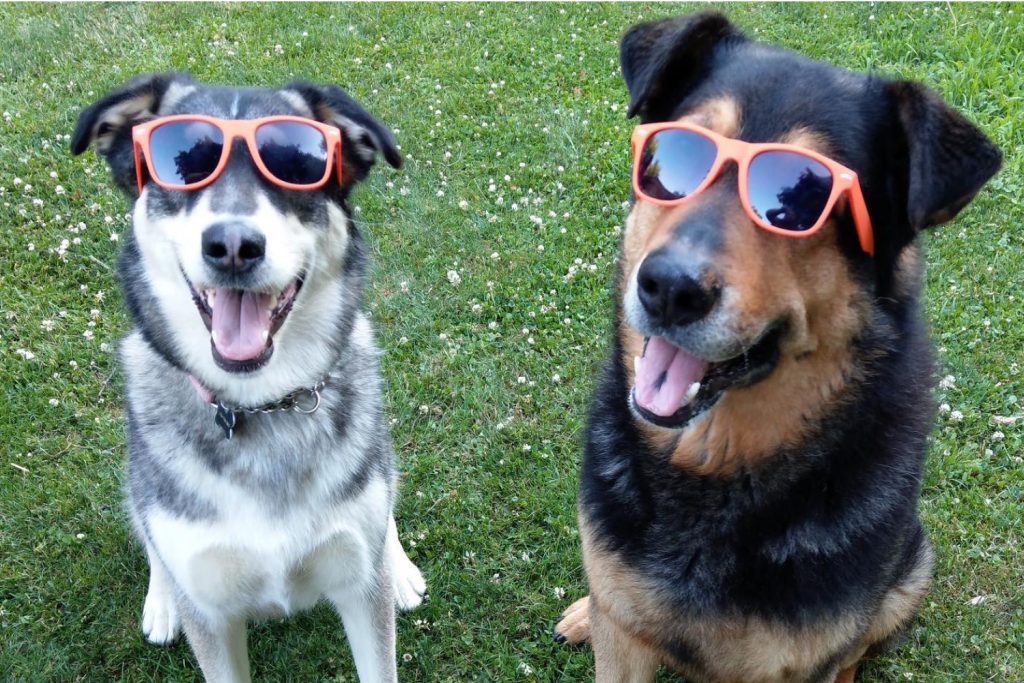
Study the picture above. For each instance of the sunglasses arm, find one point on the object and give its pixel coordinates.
(861, 219)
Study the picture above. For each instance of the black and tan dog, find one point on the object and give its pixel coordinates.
(748, 497)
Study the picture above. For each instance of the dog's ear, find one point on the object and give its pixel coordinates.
(108, 122)
(662, 60)
(362, 136)
(947, 159)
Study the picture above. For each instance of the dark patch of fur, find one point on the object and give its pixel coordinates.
(825, 528)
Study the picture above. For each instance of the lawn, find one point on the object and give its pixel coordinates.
(511, 121)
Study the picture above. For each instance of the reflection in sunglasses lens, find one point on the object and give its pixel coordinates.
(788, 190)
(185, 152)
(294, 152)
(673, 164)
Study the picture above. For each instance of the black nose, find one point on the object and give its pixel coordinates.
(670, 293)
(233, 247)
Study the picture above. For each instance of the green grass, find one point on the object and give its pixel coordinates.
(526, 98)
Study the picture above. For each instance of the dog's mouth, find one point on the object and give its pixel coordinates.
(672, 386)
(242, 322)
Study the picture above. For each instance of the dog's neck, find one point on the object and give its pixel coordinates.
(303, 400)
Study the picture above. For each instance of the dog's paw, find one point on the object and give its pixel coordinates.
(160, 622)
(409, 584)
(574, 625)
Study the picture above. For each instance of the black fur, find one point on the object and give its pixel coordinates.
(919, 162)
(827, 527)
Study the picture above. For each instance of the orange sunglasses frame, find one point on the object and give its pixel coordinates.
(232, 129)
(844, 180)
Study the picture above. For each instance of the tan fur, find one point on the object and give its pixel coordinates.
(847, 675)
(902, 602)
(908, 270)
(748, 650)
(574, 626)
(802, 280)
(806, 282)
(808, 139)
(116, 116)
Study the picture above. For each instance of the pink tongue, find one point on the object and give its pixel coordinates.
(679, 370)
(240, 319)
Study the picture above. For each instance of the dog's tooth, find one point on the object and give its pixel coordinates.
(211, 296)
(266, 335)
(273, 301)
(636, 365)
(691, 393)
(214, 335)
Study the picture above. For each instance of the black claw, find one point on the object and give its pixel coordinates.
(559, 638)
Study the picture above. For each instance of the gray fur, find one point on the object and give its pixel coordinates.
(295, 507)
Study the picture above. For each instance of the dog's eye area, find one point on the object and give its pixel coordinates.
(293, 152)
(788, 190)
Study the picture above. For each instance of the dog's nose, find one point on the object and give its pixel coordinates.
(670, 292)
(233, 247)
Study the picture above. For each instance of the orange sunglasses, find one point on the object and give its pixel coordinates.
(188, 152)
(785, 189)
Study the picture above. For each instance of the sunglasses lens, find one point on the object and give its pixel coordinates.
(673, 164)
(788, 190)
(185, 152)
(293, 152)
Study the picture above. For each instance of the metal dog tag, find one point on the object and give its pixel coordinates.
(225, 420)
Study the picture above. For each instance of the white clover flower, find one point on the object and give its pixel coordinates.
(54, 403)
(947, 382)
(956, 416)
(493, 325)
(424, 409)
(454, 277)
(463, 205)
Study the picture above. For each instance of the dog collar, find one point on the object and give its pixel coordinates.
(304, 401)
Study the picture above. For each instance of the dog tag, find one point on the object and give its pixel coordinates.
(225, 420)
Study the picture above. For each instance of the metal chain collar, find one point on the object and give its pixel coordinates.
(304, 401)
(293, 401)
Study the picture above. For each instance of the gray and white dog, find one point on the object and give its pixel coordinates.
(261, 477)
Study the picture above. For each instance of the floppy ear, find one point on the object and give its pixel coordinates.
(362, 136)
(107, 123)
(662, 60)
(947, 158)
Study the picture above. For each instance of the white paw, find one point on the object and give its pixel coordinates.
(409, 584)
(160, 621)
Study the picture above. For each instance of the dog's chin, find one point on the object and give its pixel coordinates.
(674, 387)
(242, 322)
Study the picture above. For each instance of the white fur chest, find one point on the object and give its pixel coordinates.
(248, 562)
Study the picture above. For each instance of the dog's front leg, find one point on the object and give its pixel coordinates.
(618, 657)
(219, 646)
(369, 619)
